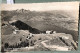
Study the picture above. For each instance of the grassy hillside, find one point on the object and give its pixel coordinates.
(59, 21)
(58, 18)
(63, 22)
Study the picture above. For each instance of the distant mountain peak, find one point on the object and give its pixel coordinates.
(22, 10)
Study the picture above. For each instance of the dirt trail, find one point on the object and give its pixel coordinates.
(59, 48)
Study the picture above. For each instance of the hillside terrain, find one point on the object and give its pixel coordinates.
(37, 23)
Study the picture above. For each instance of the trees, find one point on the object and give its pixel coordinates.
(2, 48)
(6, 45)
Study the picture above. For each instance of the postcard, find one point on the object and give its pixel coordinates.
(51, 26)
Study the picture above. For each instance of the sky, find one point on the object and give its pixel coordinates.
(42, 6)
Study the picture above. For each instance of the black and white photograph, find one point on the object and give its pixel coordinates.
(51, 26)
